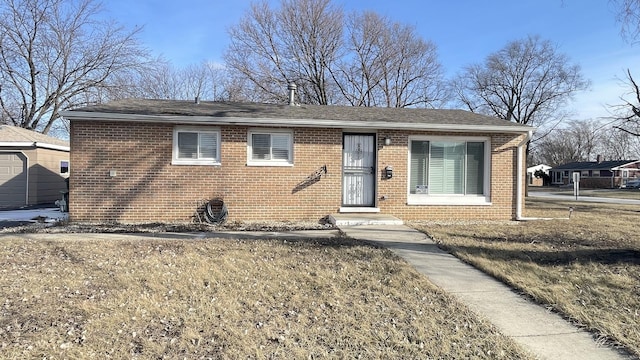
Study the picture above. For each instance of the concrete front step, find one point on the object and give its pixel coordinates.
(353, 219)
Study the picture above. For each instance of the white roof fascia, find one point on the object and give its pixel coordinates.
(210, 120)
(621, 167)
(16, 144)
(52, 146)
(34, 144)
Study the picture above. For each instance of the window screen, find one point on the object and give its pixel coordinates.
(270, 147)
(187, 145)
(447, 167)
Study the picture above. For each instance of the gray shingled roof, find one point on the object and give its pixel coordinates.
(593, 165)
(15, 134)
(285, 114)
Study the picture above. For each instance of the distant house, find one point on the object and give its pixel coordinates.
(156, 160)
(597, 174)
(33, 167)
(532, 180)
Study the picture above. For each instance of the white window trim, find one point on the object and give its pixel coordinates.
(251, 162)
(449, 199)
(199, 129)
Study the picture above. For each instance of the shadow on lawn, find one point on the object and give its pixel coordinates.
(608, 256)
(577, 251)
(554, 257)
(324, 238)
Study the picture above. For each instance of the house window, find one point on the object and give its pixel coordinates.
(595, 173)
(64, 167)
(196, 146)
(270, 148)
(557, 177)
(448, 171)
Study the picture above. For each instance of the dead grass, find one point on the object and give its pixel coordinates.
(80, 296)
(587, 268)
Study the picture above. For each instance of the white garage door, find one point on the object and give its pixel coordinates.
(13, 179)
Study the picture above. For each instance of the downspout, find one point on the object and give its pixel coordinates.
(27, 187)
(519, 182)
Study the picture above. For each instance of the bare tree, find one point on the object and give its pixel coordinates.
(627, 114)
(377, 63)
(203, 81)
(585, 140)
(576, 141)
(56, 55)
(619, 145)
(628, 15)
(162, 81)
(360, 72)
(298, 43)
(223, 86)
(556, 148)
(388, 64)
(528, 82)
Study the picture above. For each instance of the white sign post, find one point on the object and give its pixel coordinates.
(576, 184)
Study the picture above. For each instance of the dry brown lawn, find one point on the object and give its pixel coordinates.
(75, 296)
(587, 268)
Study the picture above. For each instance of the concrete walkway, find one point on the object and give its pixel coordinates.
(537, 330)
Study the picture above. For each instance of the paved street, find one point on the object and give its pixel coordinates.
(545, 194)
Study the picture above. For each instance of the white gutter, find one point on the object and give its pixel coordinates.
(622, 167)
(34, 144)
(519, 181)
(338, 124)
(52, 146)
(26, 200)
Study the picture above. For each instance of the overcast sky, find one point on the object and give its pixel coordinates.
(465, 32)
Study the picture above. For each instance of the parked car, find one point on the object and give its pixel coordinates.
(633, 184)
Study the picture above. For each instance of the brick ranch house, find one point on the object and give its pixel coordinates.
(156, 160)
(601, 173)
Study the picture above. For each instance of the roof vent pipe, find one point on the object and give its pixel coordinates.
(292, 93)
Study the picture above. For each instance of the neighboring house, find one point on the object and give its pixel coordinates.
(33, 167)
(597, 174)
(156, 160)
(531, 177)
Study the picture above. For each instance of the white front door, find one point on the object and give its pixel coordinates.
(358, 170)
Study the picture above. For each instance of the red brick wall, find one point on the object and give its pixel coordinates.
(503, 185)
(148, 188)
